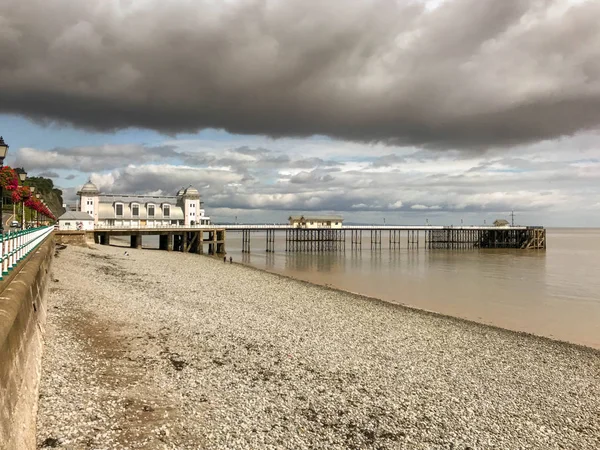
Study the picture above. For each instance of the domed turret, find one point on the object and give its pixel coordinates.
(89, 188)
(191, 191)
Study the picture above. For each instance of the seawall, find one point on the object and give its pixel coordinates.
(22, 320)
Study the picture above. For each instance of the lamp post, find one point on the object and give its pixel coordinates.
(37, 213)
(32, 190)
(3, 151)
(23, 177)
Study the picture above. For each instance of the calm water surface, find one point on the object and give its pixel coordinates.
(555, 293)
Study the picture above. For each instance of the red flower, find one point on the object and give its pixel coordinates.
(9, 179)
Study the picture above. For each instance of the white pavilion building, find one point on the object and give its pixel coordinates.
(125, 210)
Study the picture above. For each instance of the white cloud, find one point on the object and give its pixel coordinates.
(547, 182)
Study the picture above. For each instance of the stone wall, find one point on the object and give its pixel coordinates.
(22, 319)
(80, 238)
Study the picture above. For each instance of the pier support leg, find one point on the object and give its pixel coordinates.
(105, 239)
(163, 241)
(193, 242)
(135, 241)
(184, 242)
(220, 242)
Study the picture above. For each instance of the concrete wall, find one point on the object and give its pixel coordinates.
(22, 319)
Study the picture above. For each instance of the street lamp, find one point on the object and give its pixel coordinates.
(3, 151)
(37, 213)
(23, 177)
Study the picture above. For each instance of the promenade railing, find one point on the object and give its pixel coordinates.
(16, 245)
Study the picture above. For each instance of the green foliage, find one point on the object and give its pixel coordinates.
(42, 185)
(45, 186)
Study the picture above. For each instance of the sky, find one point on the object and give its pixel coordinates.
(404, 111)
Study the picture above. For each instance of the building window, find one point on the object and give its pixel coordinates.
(150, 210)
(135, 210)
(167, 210)
(119, 209)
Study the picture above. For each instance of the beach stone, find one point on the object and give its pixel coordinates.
(171, 350)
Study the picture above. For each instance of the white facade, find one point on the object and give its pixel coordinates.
(316, 221)
(144, 211)
(75, 221)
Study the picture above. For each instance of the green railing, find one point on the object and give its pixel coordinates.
(16, 245)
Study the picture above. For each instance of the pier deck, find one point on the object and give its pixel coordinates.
(191, 239)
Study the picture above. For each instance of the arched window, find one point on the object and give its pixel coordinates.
(135, 210)
(119, 209)
(150, 207)
(166, 210)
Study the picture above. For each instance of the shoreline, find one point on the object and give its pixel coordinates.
(167, 350)
(416, 309)
(396, 304)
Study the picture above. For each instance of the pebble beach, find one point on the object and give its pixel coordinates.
(160, 350)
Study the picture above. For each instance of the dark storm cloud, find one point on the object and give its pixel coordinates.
(469, 73)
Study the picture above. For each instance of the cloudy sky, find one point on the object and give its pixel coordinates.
(408, 110)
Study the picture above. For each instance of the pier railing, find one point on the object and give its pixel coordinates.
(153, 226)
(267, 226)
(16, 245)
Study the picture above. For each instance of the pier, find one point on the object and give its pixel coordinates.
(210, 239)
(428, 237)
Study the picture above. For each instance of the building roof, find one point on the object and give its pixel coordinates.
(88, 188)
(500, 222)
(142, 199)
(307, 217)
(75, 215)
